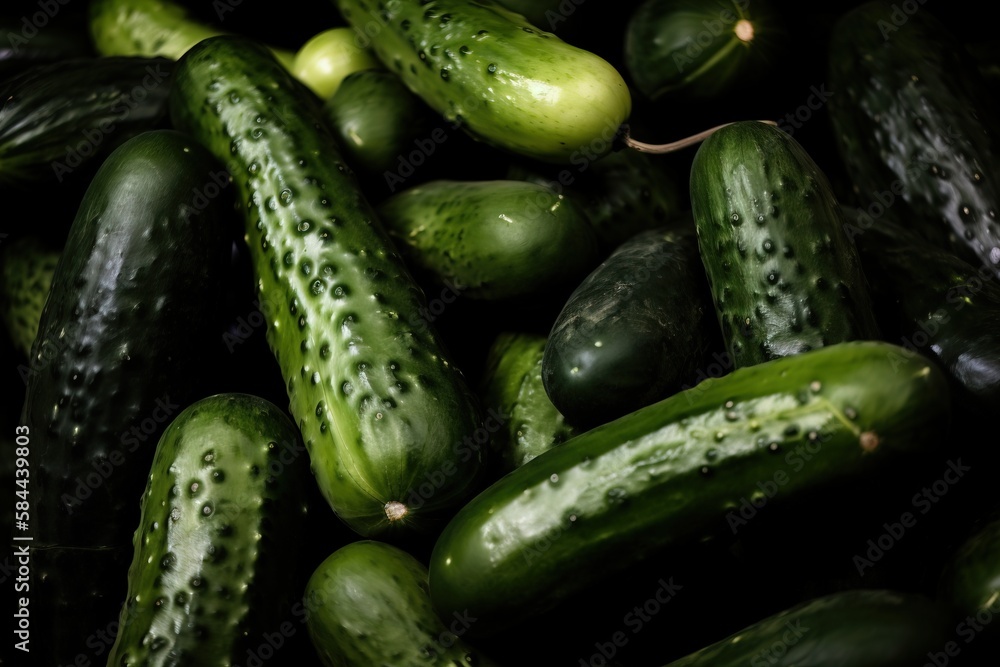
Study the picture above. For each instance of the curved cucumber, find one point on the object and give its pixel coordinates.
(504, 81)
(214, 561)
(153, 28)
(496, 239)
(861, 628)
(122, 345)
(368, 605)
(381, 409)
(513, 382)
(914, 127)
(785, 275)
(636, 330)
(668, 474)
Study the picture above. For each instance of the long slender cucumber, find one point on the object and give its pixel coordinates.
(382, 411)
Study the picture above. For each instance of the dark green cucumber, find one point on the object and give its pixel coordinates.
(695, 49)
(496, 239)
(214, 564)
(506, 82)
(933, 302)
(381, 409)
(785, 275)
(913, 122)
(636, 330)
(669, 473)
(861, 628)
(512, 383)
(970, 586)
(20, 49)
(368, 605)
(150, 28)
(26, 268)
(59, 116)
(377, 119)
(623, 193)
(123, 344)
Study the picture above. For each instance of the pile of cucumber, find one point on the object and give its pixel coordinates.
(398, 333)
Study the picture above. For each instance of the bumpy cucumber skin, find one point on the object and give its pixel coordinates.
(944, 307)
(214, 558)
(636, 330)
(25, 277)
(56, 117)
(912, 122)
(668, 474)
(378, 403)
(120, 341)
(152, 28)
(666, 55)
(495, 239)
(369, 605)
(512, 381)
(785, 276)
(506, 82)
(862, 628)
(377, 119)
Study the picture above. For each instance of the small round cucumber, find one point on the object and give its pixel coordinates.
(503, 80)
(495, 239)
(368, 605)
(215, 560)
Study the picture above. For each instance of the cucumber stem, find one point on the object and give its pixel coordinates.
(680, 143)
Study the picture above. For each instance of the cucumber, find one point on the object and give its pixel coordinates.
(668, 474)
(495, 239)
(60, 116)
(327, 57)
(368, 605)
(784, 273)
(861, 628)
(512, 382)
(504, 81)
(56, 42)
(121, 346)
(914, 126)
(214, 564)
(26, 268)
(937, 304)
(154, 28)
(969, 586)
(693, 49)
(636, 330)
(381, 409)
(377, 119)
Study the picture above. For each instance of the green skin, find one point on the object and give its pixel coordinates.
(669, 473)
(861, 628)
(57, 117)
(505, 82)
(513, 383)
(943, 306)
(121, 346)
(689, 48)
(785, 276)
(970, 582)
(380, 407)
(910, 117)
(368, 605)
(26, 268)
(635, 330)
(377, 119)
(212, 570)
(494, 239)
(152, 28)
